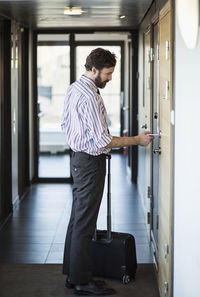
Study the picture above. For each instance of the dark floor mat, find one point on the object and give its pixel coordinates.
(46, 280)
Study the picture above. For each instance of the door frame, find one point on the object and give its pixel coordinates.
(133, 111)
(166, 211)
(73, 45)
(153, 240)
(147, 120)
(36, 177)
(23, 114)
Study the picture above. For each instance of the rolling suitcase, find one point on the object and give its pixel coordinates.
(113, 253)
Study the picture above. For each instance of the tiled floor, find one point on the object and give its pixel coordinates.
(36, 231)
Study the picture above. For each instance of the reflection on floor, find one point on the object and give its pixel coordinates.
(54, 165)
(36, 231)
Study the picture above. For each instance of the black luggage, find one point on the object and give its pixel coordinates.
(113, 254)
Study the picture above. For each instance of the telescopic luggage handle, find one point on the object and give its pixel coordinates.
(109, 199)
(109, 236)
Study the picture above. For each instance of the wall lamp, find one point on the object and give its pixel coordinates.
(75, 10)
(188, 20)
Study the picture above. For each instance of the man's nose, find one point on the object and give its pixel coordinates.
(110, 77)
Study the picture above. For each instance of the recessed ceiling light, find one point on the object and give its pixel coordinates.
(75, 10)
(122, 16)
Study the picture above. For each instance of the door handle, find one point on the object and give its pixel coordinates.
(156, 134)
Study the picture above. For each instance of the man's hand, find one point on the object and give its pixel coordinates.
(144, 138)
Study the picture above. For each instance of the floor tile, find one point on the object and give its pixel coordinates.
(36, 231)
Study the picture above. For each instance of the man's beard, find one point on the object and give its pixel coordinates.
(99, 83)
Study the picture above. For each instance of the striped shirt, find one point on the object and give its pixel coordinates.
(84, 119)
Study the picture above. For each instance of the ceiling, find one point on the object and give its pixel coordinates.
(97, 13)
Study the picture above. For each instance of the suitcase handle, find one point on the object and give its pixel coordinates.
(109, 199)
(109, 234)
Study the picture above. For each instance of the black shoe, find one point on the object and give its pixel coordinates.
(98, 282)
(92, 289)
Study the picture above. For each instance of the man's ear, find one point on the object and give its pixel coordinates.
(94, 70)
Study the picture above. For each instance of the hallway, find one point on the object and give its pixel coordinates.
(36, 231)
(43, 46)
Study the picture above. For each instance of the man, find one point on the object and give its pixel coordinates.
(85, 125)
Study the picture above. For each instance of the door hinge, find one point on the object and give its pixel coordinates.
(166, 252)
(148, 217)
(137, 75)
(166, 96)
(149, 193)
(167, 49)
(166, 288)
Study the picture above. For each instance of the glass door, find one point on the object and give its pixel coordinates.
(53, 78)
(112, 93)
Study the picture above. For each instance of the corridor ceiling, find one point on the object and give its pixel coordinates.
(96, 13)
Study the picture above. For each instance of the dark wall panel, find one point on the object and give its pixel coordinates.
(23, 114)
(5, 99)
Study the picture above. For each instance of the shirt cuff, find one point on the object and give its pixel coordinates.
(104, 140)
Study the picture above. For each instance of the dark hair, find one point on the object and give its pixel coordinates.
(100, 58)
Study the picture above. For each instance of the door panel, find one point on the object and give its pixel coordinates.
(53, 77)
(156, 142)
(166, 173)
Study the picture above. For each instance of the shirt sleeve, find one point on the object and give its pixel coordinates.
(96, 124)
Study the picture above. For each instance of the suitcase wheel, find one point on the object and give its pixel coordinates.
(126, 279)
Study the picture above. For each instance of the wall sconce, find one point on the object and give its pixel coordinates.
(75, 10)
(188, 20)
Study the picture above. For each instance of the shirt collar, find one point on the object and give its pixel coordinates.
(89, 82)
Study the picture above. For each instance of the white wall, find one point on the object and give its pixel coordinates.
(187, 174)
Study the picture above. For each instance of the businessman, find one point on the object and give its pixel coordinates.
(85, 125)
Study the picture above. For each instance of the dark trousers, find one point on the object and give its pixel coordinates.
(89, 176)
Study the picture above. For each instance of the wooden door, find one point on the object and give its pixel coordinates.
(155, 142)
(166, 157)
(147, 117)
